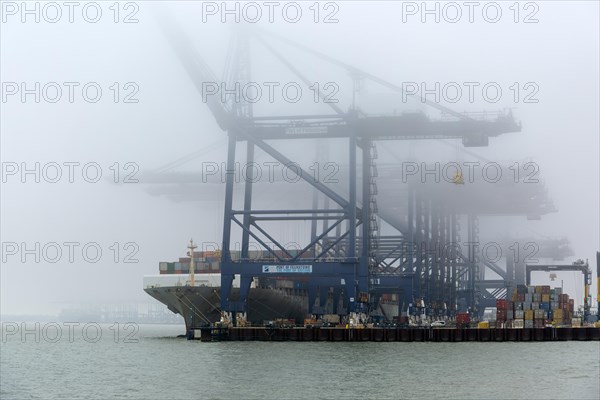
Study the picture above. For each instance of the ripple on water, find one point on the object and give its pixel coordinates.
(162, 366)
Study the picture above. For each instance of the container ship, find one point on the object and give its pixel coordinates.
(196, 296)
(191, 287)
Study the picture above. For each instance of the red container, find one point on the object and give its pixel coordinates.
(463, 318)
(563, 298)
(545, 289)
(501, 304)
(501, 315)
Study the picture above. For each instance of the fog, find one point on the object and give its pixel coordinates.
(150, 116)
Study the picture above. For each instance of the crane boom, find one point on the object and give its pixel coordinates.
(197, 69)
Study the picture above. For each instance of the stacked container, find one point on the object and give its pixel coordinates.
(502, 312)
(534, 306)
(562, 314)
(167, 268)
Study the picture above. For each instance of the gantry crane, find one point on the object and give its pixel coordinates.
(578, 265)
(348, 261)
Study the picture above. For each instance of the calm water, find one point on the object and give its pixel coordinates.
(160, 366)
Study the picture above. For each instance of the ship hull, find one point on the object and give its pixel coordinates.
(202, 305)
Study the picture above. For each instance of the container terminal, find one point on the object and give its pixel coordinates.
(380, 261)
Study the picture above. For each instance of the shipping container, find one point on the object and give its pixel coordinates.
(546, 289)
(463, 318)
(535, 305)
(518, 323)
(202, 267)
(501, 315)
(519, 314)
(330, 318)
(528, 314)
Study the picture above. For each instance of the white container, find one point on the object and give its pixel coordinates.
(518, 323)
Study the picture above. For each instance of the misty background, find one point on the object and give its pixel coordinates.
(170, 120)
